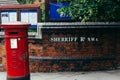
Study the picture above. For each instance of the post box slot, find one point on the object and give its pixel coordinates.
(12, 33)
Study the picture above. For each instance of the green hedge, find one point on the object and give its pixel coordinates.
(92, 10)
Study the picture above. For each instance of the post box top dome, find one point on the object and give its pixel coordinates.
(15, 25)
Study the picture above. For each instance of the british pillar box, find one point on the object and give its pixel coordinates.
(17, 50)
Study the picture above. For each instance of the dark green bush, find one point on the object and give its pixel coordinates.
(92, 10)
(26, 1)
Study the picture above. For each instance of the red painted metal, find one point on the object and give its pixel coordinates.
(16, 50)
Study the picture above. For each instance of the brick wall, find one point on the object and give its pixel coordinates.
(88, 43)
(94, 49)
(118, 49)
(2, 55)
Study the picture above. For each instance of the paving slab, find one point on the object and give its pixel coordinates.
(92, 75)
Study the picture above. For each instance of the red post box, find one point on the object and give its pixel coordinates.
(17, 50)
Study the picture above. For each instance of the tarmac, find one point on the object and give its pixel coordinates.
(91, 75)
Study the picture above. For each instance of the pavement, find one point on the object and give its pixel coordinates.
(92, 75)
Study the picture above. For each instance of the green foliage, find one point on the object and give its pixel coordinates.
(32, 30)
(92, 10)
(26, 1)
(21, 1)
(42, 7)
